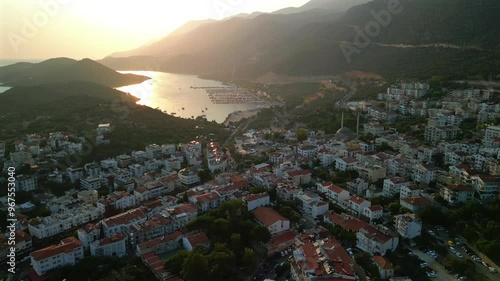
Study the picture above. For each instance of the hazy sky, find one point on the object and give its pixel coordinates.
(95, 28)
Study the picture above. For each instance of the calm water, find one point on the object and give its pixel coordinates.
(172, 92)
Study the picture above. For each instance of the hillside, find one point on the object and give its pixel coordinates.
(456, 39)
(338, 5)
(78, 107)
(61, 70)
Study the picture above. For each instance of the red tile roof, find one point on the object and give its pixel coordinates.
(127, 217)
(281, 239)
(417, 201)
(298, 173)
(67, 245)
(112, 239)
(459, 187)
(383, 262)
(159, 240)
(327, 183)
(89, 228)
(397, 180)
(345, 221)
(376, 208)
(185, 208)
(268, 216)
(198, 239)
(336, 189)
(253, 197)
(350, 160)
(358, 200)
(207, 197)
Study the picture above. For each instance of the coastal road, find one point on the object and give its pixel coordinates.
(343, 102)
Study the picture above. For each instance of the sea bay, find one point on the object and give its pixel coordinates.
(176, 94)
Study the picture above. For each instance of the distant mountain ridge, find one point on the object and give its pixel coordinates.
(62, 70)
(457, 38)
(338, 5)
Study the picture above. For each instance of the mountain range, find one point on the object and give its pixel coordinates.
(423, 38)
(62, 70)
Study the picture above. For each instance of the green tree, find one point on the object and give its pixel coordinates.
(220, 262)
(221, 229)
(235, 242)
(394, 208)
(248, 258)
(433, 215)
(257, 189)
(301, 135)
(261, 234)
(195, 267)
(174, 263)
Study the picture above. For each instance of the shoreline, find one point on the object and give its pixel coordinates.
(240, 115)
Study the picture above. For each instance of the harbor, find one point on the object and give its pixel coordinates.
(231, 95)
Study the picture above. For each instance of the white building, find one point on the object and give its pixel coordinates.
(216, 158)
(68, 252)
(26, 183)
(384, 266)
(376, 240)
(373, 212)
(189, 176)
(486, 186)
(91, 183)
(207, 201)
(92, 170)
(356, 205)
(88, 234)
(66, 218)
(119, 200)
(492, 136)
(338, 195)
(74, 174)
(344, 164)
(88, 196)
(113, 246)
(257, 200)
(154, 151)
(408, 225)
(109, 164)
(123, 221)
(457, 193)
(410, 190)
(424, 173)
(392, 186)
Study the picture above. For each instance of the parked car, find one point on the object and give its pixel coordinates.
(492, 269)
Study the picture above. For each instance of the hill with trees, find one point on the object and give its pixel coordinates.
(423, 38)
(76, 108)
(62, 70)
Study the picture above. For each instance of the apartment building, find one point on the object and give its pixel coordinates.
(68, 252)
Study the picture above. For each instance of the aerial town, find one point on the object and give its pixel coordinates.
(365, 203)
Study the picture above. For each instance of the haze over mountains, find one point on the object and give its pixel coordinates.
(62, 70)
(456, 38)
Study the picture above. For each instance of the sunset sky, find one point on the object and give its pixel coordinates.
(97, 28)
